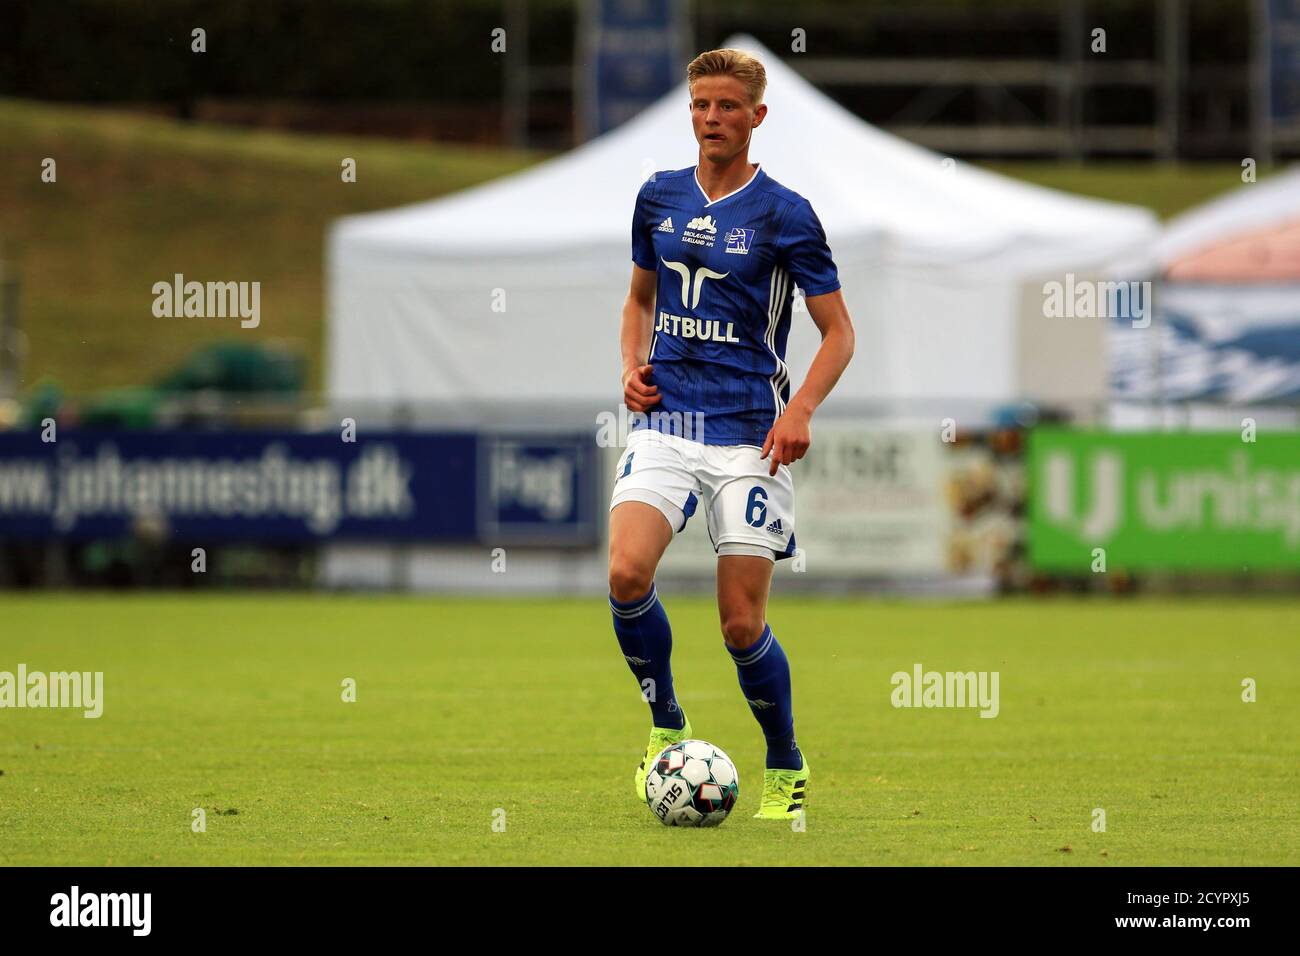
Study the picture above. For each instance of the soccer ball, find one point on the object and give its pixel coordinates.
(692, 784)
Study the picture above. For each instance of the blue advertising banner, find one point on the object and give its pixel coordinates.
(633, 53)
(537, 490)
(1284, 60)
(294, 487)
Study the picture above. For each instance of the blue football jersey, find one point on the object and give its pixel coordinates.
(726, 271)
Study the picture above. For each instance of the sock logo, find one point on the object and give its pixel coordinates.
(759, 704)
(638, 661)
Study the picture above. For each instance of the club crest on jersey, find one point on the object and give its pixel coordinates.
(666, 225)
(739, 240)
(700, 231)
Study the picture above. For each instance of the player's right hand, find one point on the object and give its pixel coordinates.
(637, 395)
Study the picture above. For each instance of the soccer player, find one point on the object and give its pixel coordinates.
(716, 251)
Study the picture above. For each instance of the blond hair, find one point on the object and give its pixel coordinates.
(729, 62)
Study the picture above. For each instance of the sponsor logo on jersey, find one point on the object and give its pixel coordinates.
(666, 225)
(688, 327)
(691, 290)
(700, 231)
(739, 241)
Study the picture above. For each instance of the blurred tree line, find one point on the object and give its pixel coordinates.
(129, 50)
(132, 50)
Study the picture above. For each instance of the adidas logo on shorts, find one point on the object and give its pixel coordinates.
(775, 527)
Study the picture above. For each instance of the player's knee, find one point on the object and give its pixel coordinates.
(628, 580)
(740, 629)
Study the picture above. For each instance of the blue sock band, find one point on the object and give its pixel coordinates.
(764, 674)
(647, 642)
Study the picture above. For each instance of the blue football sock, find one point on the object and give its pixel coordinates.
(647, 642)
(764, 676)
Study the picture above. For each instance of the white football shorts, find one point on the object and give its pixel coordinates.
(747, 511)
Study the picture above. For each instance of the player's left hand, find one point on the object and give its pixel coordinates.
(788, 439)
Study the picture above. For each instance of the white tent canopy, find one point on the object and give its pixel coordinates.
(513, 289)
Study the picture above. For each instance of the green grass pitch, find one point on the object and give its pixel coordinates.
(234, 704)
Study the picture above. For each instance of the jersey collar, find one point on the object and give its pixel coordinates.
(695, 174)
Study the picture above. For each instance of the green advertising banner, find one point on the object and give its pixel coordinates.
(1152, 500)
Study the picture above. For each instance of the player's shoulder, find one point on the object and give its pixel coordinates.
(792, 201)
(665, 179)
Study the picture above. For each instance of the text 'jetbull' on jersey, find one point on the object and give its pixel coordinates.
(726, 276)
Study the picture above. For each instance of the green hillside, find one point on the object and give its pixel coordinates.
(138, 199)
